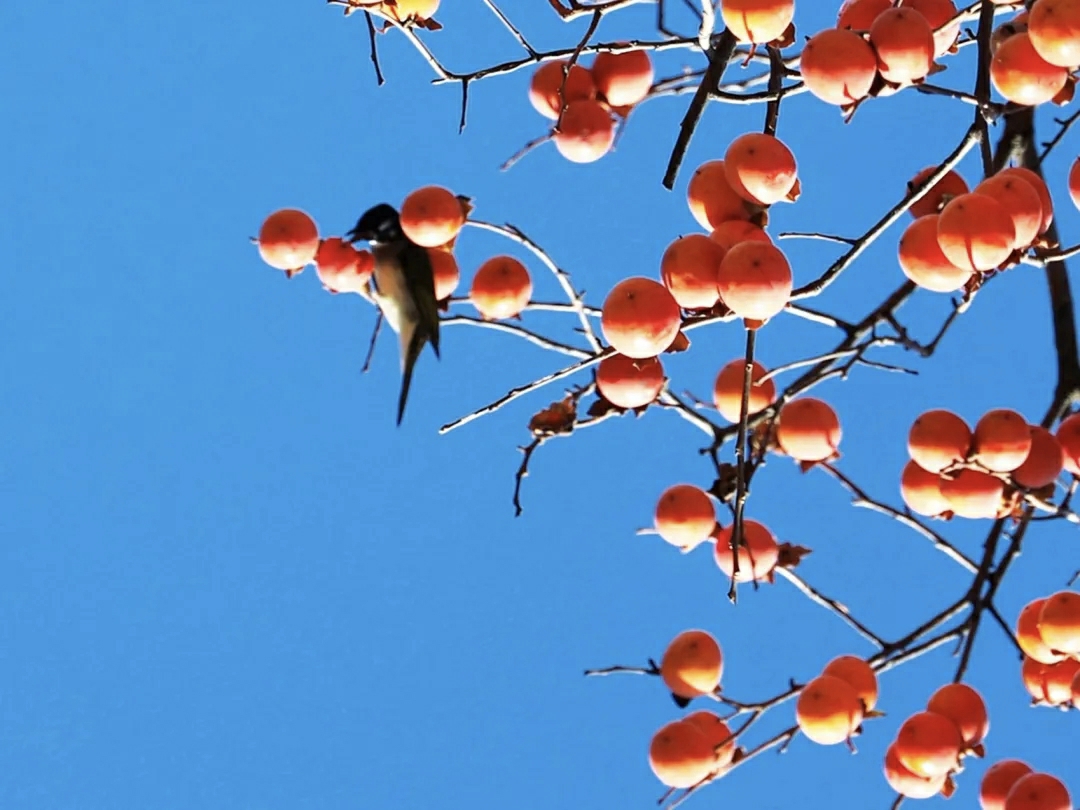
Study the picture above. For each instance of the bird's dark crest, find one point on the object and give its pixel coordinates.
(380, 223)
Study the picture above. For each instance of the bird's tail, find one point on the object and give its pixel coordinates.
(412, 354)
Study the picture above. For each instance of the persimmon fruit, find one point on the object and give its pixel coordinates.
(963, 705)
(973, 494)
(929, 744)
(859, 15)
(692, 664)
(728, 388)
(1021, 201)
(923, 261)
(828, 710)
(630, 383)
(937, 13)
(906, 782)
(586, 133)
(757, 21)
(547, 82)
(1038, 791)
(1002, 440)
(288, 239)
(859, 674)
(838, 66)
(999, 780)
(760, 168)
(341, 267)
(680, 755)
(1054, 28)
(903, 42)
(689, 268)
(976, 232)
(921, 491)
(718, 734)
(809, 430)
(1059, 622)
(501, 288)
(758, 553)
(1068, 436)
(711, 198)
(754, 280)
(624, 78)
(685, 516)
(640, 318)
(1021, 75)
(1030, 639)
(431, 216)
(938, 438)
(950, 185)
(1044, 463)
(733, 231)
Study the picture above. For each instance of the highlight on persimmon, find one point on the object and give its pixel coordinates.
(809, 430)
(728, 389)
(685, 516)
(640, 317)
(692, 664)
(432, 216)
(630, 383)
(501, 288)
(288, 240)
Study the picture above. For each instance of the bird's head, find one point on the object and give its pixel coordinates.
(380, 224)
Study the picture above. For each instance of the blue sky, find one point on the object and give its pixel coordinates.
(227, 581)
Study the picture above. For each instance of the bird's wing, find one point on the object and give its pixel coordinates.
(420, 279)
(410, 352)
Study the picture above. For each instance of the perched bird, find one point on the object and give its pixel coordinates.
(404, 288)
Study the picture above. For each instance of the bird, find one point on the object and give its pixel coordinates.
(404, 288)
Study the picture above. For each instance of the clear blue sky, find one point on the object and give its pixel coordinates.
(226, 580)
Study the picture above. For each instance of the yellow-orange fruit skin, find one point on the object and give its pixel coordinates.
(1029, 637)
(904, 44)
(1036, 183)
(760, 168)
(757, 554)
(684, 516)
(689, 267)
(501, 288)
(1057, 681)
(809, 430)
(923, 261)
(757, 21)
(921, 491)
(415, 9)
(1068, 436)
(586, 132)
(838, 66)
(828, 710)
(711, 198)
(1054, 28)
(431, 216)
(859, 674)
(623, 78)
(1074, 182)
(937, 439)
(692, 664)
(1022, 76)
(1059, 622)
(730, 233)
(680, 755)
(341, 267)
(754, 280)
(630, 383)
(547, 81)
(288, 239)
(727, 390)
(1043, 464)
(973, 494)
(640, 318)
(1022, 203)
(1002, 440)
(1038, 791)
(907, 783)
(964, 706)
(976, 232)
(937, 13)
(999, 780)
(444, 268)
(929, 745)
(718, 734)
(950, 185)
(859, 15)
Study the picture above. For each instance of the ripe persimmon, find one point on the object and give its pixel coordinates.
(341, 267)
(1059, 622)
(973, 494)
(1007, 29)
(718, 734)
(501, 288)
(859, 15)
(1057, 681)
(758, 552)
(964, 706)
(976, 232)
(711, 198)
(689, 269)
(757, 21)
(685, 516)
(547, 81)
(921, 491)
(1038, 791)
(838, 66)
(950, 185)
(1074, 182)
(586, 132)
(288, 240)
(828, 710)
(444, 268)
(1033, 674)
(623, 79)
(760, 168)
(937, 13)
(903, 41)
(754, 280)
(1021, 75)
(809, 430)
(1068, 436)
(630, 383)
(1002, 440)
(733, 231)
(859, 674)
(908, 783)
(999, 780)
(692, 664)
(938, 438)
(1043, 464)
(431, 216)
(404, 10)
(1039, 185)
(680, 755)
(929, 744)
(728, 388)
(1030, 639)
(1054, 27)
(923, 261)
(640, 317)
(1076, 691)
(1022, 203)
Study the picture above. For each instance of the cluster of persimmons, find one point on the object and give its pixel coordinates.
(432, 217)
(984, 473)
(1048, 631)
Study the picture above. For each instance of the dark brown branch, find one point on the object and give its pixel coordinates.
(372, 33)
